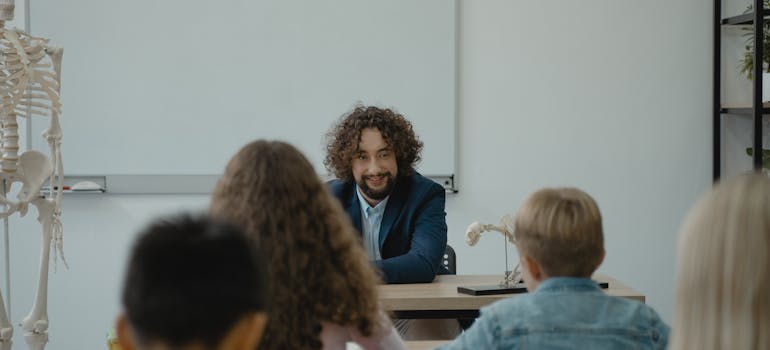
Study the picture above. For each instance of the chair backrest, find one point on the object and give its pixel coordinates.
(448, 261)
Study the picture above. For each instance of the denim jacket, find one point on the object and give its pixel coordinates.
(565, 313)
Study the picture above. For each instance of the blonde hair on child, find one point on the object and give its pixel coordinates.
(561, 229)
(723, 268)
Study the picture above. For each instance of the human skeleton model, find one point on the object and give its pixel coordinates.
(473, 234)
(29, 83)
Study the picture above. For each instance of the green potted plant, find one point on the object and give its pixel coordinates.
(747, 69)
(747, 63)
(765, 156)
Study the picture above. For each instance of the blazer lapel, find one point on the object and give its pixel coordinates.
(354, 210)
(395, 203)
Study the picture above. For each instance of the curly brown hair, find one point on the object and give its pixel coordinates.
(342, 140)
(318, 270)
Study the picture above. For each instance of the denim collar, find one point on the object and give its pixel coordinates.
(560, 284)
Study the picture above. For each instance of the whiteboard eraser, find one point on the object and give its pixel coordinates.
(86, 186)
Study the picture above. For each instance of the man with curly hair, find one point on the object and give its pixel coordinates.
(373, 151)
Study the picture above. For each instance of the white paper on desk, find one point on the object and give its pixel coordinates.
(352, 346)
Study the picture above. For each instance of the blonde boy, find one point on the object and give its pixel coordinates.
(560, 243)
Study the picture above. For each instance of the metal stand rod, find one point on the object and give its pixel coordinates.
(28, 110)
(7, 251)
(505, 243)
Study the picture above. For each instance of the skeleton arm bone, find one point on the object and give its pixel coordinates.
(53, 136)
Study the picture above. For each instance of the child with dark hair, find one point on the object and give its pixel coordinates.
(193, 283)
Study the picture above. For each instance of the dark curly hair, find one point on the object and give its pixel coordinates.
(319, 272)
(342, 140)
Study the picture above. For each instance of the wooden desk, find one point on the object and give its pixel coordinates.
(440, 299)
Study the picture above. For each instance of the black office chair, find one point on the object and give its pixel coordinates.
(449, 267)
(448, 262)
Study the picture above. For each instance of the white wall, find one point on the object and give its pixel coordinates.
(610, 96)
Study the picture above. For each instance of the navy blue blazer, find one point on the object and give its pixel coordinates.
(413, 232)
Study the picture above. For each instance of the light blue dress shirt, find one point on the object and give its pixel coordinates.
(565, 313)
(371, 220)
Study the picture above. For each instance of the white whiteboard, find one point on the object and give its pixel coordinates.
(176, 87)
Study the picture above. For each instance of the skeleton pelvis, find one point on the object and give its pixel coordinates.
(34, 168)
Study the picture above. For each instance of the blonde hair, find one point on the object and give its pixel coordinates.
(317, 268)
(561, 229)
(723, 273)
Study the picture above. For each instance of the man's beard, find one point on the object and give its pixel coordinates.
(377, 195)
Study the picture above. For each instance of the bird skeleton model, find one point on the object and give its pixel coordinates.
(29, 85)
(473, 234)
